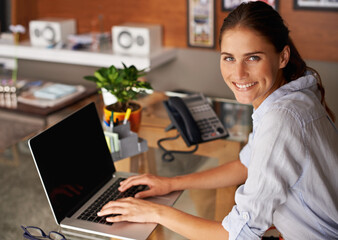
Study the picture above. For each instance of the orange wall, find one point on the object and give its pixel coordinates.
(315, 33)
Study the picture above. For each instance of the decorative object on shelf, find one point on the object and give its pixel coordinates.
(229, 5)
(201, 23)
(51, 32)
(8, 87)
(137, 39)
(92, 40)
(16, 30)
(8, 94)
(126, 85)
(316, 5)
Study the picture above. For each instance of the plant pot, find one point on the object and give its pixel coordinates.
(134, 119)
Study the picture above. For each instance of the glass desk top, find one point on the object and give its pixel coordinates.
(23, 200)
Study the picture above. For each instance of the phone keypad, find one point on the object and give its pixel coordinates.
(199, 109)
(209, 127)
(206, 119)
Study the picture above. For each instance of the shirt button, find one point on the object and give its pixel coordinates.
(245, 216)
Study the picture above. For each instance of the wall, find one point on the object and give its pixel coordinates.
(314, 32)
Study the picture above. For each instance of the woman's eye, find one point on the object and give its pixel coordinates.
(229, 59)
(254, 58)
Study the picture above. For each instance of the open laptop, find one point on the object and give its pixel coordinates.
(75, 167)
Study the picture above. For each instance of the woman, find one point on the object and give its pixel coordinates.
(288, 166)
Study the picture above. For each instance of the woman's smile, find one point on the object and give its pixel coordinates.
(244, 87)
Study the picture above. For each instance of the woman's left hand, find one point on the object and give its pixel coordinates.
(131, 210)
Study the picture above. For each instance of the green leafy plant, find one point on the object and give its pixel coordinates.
(123, 83)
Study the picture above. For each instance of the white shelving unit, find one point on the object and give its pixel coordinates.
(103, 58)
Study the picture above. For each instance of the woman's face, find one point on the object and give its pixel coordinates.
(250, 65)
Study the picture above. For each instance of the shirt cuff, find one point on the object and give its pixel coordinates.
(236, 224)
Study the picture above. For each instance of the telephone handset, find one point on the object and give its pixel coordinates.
(194, 119)
(185, 120)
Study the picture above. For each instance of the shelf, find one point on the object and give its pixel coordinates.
(103, 58)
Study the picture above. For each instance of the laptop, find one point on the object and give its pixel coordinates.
(75, 167)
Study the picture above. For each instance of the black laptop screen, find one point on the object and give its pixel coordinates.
(73, 160)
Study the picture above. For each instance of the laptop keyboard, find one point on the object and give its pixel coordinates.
(111, 194)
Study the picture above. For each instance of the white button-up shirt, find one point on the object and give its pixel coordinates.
(292, 161)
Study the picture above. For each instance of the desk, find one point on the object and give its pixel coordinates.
(23, 200)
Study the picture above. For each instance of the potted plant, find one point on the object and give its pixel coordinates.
(125, 85)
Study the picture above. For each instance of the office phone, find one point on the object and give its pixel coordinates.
(195, 119)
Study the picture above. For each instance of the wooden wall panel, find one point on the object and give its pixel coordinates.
(315, 33)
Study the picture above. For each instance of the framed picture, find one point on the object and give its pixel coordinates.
(201, 23)
(331, 5)
(229, 5)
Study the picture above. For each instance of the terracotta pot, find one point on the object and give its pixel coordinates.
(134, 119)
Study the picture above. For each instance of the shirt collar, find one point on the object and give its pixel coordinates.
(306, 81)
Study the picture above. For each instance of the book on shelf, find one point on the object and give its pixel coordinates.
(54, 91)
(48, 94)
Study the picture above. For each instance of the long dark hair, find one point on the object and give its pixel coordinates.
(263, 19)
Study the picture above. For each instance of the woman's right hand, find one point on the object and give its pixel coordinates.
(157, 185)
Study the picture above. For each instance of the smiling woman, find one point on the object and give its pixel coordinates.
(281, 168)
(250, 65)
(262, 66)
